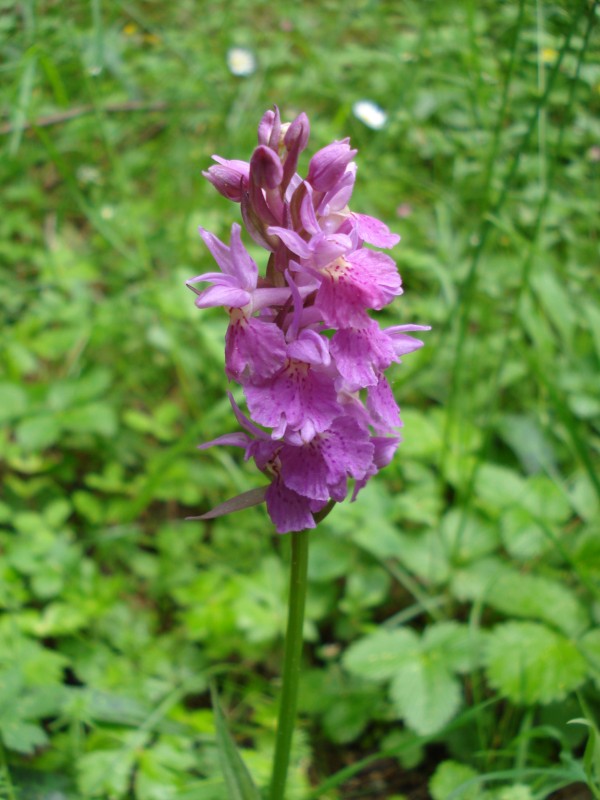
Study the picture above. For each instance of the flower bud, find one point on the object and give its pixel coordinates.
(329, 164)
(265, 168)
(294, 141)
(296, 136)
(269, 128)
(230, 178)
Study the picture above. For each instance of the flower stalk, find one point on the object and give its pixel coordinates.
(291, 663)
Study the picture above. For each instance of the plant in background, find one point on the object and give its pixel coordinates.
(308, 355)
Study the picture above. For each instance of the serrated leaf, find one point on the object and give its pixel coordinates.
(24, 737)
(425, 694)
(529, 663)
(237, 778)
(461, 646)
(536, 597)
(379, 656)
(105, 773)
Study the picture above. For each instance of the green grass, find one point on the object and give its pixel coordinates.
(452, 616)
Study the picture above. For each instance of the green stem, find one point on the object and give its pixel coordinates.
(291, 664)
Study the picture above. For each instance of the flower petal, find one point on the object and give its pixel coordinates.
(288, 510)
(374, 231)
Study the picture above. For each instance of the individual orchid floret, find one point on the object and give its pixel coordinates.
(251, 343)
(301, 396)
(362, 353)
(353, 284)
(319, 469)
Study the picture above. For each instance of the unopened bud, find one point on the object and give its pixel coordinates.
(265, 168)
(269, 128)
(230, 178)
(297, 133)
(329, 164)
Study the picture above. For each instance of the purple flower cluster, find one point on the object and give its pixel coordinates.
(300, 340)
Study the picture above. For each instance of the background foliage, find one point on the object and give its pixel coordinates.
(453, 611)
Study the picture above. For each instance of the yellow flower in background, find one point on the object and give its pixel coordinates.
(549, 55)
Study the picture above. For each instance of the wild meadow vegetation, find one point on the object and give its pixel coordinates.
(453, 639)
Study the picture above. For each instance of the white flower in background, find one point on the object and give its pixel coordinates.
(370, 114)
(87, 173)
(241, 61)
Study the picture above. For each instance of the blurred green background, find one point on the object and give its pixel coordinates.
(472, 563)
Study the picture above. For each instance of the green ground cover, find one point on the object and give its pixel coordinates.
(453, 612)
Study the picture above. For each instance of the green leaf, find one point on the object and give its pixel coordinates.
(425, 694)
(379, 656)
(37, 433)
(467, 536)
(545, 500)
(517, 792)
(589, 646)
(523, 595)
(92, 418)
(525, 436)
(330, 558)
(13, 401)
(425, 556)
(105, 773)
(591, 755)
(499, 487)
(522, 536)
(461, 646)
(529, 663)
(24, 737)
(237, 778)
(449, 779)
(424, 691)
(345, 703)
(366, 586)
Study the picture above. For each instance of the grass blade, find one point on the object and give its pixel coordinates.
(239, 782)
